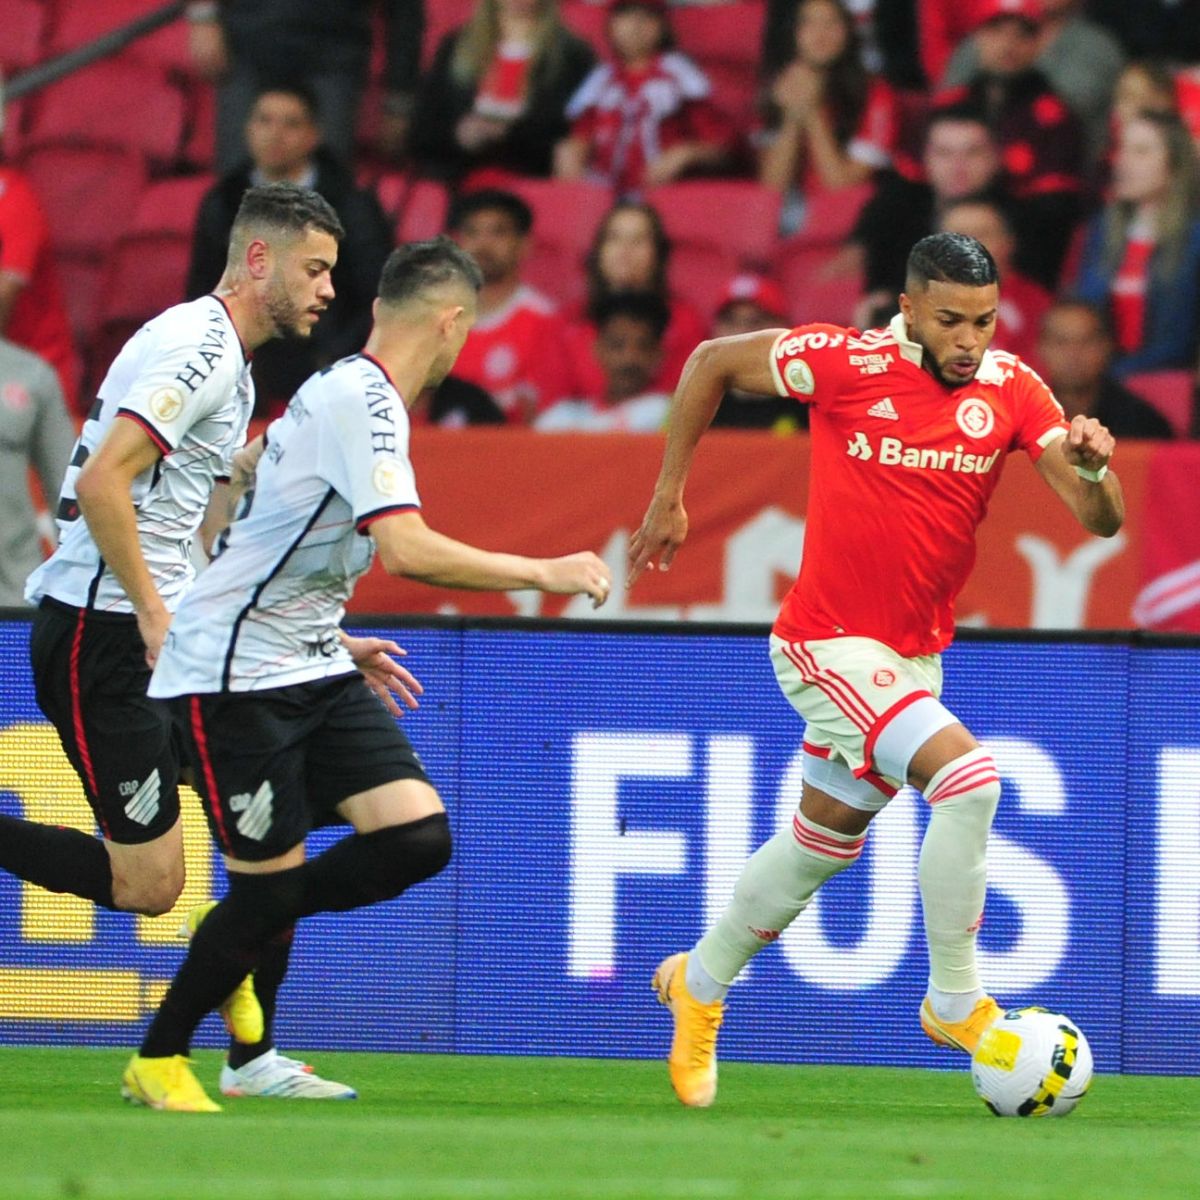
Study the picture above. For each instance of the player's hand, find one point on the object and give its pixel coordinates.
(575, 573)
(376, 660)
(1088, 444)
(153, 626)
(663, 530)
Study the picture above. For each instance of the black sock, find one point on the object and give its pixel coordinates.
(268, 976)
(57, 859)
(361, 869)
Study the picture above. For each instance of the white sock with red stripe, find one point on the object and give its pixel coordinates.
(774, 887)
(953, 875)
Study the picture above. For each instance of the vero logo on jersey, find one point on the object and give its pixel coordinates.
(893, 452)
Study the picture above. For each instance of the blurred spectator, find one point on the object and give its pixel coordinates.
(1075, 350)
(749, 303)
(834, 122)
(629, 346)
(1023, 303)
(942, 25)
(517, 349)
(1080, 59)
(630, 253)
(1141, 257)
(245, 45)
(1143, 86)
(497, 92)
(32, 310)
(35, 431)
(1153, 28)
(455, 403)
(283, 138)
(645, 118)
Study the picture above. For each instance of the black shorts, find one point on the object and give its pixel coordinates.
(272, 765)
(90, 678)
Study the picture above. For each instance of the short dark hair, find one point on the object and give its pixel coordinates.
(639, 306)
(296, 88)
(1098, 312)
(287, 207)
(950, 258)
(490, 200)
(422, 266)
(958, 113)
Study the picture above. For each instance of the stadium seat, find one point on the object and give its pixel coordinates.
(14, 129)
(735, 215)
(442, 16)
(24, 25)
(565, 218)
(145, 274)
(725, 33)
(1172, 393)
(698, 273)
(114, 104)
(734, 93)
(586, 20)
(169, 206)
(813, 296)
(76, 24)
(200, 131)
(423, 214)
(830, 214)
(88, 192)
(81, 277)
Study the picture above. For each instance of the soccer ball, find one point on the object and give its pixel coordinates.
(1032, 1063)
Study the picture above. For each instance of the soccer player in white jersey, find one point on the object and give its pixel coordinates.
(278, 726)
(910, 427)
(154, 455)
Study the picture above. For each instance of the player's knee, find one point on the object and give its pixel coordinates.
(971, 781)
(150, 893)
(403, 855)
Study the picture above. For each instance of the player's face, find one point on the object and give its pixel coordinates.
(1074, 349)
(627, 253)
(960, 159)
(299, 287)
(629, 355)
(280, 134)
(820, 33)
(1142, 168)
(954, 323)
(492, 239)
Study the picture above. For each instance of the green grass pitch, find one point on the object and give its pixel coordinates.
(432, 1127)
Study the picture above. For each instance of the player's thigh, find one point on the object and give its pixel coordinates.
(90, 677)
(858, 697)
(362, 768)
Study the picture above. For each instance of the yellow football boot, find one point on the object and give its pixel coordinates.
(693, 1059)
(959, 1035)
(166, 1084)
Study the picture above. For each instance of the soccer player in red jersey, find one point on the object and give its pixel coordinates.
(910, 428)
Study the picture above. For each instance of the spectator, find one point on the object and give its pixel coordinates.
(246, 45)
(32, 311)
(629, 347)
(1081, 59)
(35, 431)
(749, 303)
(1075, 350)
(1141, 257)
(645, 118)
(836, 123)
(283, 137)
(455, 403)
(517, 349)
(1023, 302)
(630, 253)
(497, 92)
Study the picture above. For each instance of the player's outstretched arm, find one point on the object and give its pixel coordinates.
(408, 547)
(1071, 467)
(714, 367)
(104, 492)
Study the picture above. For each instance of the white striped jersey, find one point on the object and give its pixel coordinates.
(265, 613)
(185, 379)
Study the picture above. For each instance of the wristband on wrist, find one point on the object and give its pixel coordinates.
(1092, 476)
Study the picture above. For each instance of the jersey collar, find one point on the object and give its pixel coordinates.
(990, 370)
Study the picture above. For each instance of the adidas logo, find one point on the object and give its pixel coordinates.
(885, 408)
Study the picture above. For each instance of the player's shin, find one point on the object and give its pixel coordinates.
(775, 886)
(57, 859)
(963, 797)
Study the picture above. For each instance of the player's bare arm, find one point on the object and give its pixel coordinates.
(376, 660)
(1098, 504)
(223, 504)
(105, 499)
(714, 367)
(408, 547)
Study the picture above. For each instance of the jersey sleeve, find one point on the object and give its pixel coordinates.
(1040, 418)
(808, 362)
(363, 456)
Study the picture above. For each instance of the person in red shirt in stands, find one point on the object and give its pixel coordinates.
(645, 118)
(911, 425)
(516, 351)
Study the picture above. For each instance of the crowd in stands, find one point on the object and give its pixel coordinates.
(632, 177)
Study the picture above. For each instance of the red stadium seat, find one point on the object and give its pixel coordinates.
(734, 93)
(565, 215)
(14, 129)
(24, 25)
(76, 24)
(812, 295)
(169, 206)
(441, 17)
(89, 193)
(726, 33)
(558, 273)
(114, 104)
(698, 273)
(423, 214)
(1171, 392)
(200, 133)
(146, 274)
(830, 214)
(738, 216)
(587, 20)
(81, 278)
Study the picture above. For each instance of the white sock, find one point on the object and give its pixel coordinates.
(953, 1006)
(774, 887)
(953, 870)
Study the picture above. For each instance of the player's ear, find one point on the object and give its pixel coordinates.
(258, 259)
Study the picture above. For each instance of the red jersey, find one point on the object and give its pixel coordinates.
(518, 354)
(39, 317)
(902, 471)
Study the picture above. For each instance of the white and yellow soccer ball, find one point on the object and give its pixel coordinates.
(1032, 1063)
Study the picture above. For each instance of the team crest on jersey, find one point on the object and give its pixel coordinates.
(166, 404)
(883, 678)
(385, 478)
(975, 417)
(799, 377)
